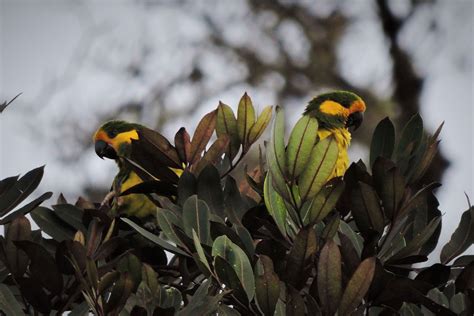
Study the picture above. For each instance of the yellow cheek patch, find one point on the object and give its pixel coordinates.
(125, 137)
(333, 108)
(357, 106)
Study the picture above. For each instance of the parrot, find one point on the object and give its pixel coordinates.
(113, 140)
(338, 113)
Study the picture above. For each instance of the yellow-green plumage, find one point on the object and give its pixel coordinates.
(113, 140)
(336, 112)
(138, 205)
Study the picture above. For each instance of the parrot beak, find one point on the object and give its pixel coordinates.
(354, 121)
(102, 149)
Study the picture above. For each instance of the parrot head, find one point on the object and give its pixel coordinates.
(338, 109)
(113, 139)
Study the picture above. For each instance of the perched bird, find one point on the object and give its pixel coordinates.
(113, 140)
(338, 113)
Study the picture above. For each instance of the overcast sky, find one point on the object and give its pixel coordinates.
(63, 55)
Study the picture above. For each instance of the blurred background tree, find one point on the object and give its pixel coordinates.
(164, 63)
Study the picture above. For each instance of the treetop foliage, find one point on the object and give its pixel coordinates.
(287, 240)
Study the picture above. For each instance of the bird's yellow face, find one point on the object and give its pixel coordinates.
(113, 139)
(339, 109)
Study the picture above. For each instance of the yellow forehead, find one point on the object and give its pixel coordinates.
(333, 108)
(122, 138)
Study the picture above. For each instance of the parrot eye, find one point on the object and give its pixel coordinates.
(112, 133)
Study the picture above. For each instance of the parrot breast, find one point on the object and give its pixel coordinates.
(343, 140)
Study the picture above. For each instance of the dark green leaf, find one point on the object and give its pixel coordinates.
(300, 145)
(409, 309)
(245, 119)
(8, 303)
(228, 276)
(312, 306)
(166, 219)
(329, 277)
(210, 191)
(357, 287)
(383, 141)
(154, 238)
(187, 186)
(196, 215)
(324, 156)
(246, 239)
(458, 304)
(227, 125)
(414, 245)
(438, 297)
(411, 136)
(260, 125)
(356, 239)
(463, 260)
(436, 275)
(220, 229)
(51, 224)
(92, 273)
(183, 144)
(417, 200)
(465, 280)
(461, 239)
(108, 247)
(200, 303)
(168, 297)
(21, 190)
(235, 207)
(7, 184)
(202, 135)
(213, 155)
(324, 202)
(331, 227)
(200, 252)
(225, 310)
(428, 155)
(71, 215)
(267, 286)
(160, 147)
(276, 156)
(238, 260)
(26, 208)
(294, 303)
(275, 205)
(35, 295)
(119, 295)
(19, 229)
(366, 209)
(350, 256)
(43, 266)
(300, 258)
(390, 185)
(131, 264)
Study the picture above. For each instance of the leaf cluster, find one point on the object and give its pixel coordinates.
(287, 240)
